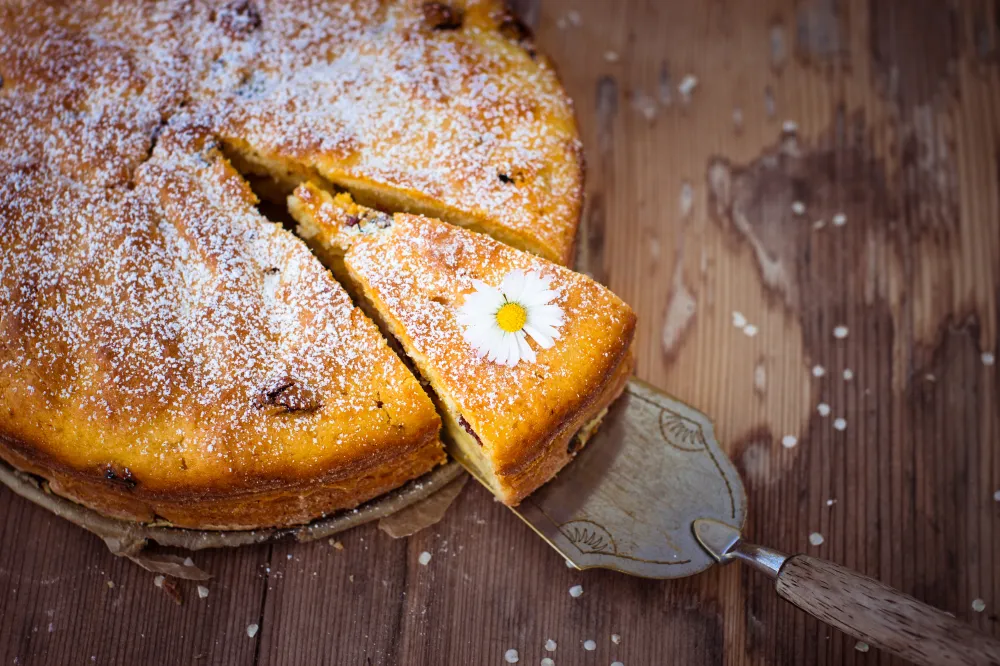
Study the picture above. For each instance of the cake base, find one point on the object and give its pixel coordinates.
(130, 539)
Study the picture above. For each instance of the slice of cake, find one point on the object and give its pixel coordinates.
(524, 356)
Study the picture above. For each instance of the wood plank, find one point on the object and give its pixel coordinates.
(896, 111)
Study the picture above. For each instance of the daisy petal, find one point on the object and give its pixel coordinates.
(512, 286)
(544, 341)
(527, 353)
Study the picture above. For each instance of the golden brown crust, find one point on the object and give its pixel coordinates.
(416, 271)
(561, 449)
(220, 509)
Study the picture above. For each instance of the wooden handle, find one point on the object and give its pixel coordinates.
(882, 616)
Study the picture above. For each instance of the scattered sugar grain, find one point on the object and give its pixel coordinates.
(750, 330)
(158, 581)
(511, 656)
(823, 409)
(547, 662)
(589, 645)
(574, 18)
(188, 562)
(550, 645)
(988, 358)
(978, 605)
(739, 321)
(839, 220)
(790, 126)
(818, 371)
(996, 498)
(687, 86)
(831, 502)
(861, 646)
(424, 558)
(789, 441)
(798, 208)
(816, 539)
(576, 591)
(840, 423)
(252, 630)
(616, 639)
(840, 332)
(202, 591)
(611, 56)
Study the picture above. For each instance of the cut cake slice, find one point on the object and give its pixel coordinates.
(515, 426)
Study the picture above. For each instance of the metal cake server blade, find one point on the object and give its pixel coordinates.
(653, 495)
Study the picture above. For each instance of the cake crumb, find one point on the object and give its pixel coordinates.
(550, 645)
(823, 409)
(978, 605)
(616, 639)
(687, 86)
(816, 539)
(202, 591)
(336, 545)
(511, 656)
(589, 645)
(840, 332)
(686, 199)
(111, 583)
(789, 441)
(576, 591)
(252, 630)
(424, 558)
(861, 646)
(840, 423)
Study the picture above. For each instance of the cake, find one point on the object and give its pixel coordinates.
(514, 425)
(170, 354)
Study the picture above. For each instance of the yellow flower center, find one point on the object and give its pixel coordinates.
(511, 317)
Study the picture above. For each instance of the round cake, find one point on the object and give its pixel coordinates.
(169, 353)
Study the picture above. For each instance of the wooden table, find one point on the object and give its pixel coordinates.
(884, 111)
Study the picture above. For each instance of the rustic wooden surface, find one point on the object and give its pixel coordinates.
(896, 112)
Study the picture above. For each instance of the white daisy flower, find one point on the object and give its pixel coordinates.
(497, 320)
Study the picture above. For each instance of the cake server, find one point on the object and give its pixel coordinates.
(654, 495)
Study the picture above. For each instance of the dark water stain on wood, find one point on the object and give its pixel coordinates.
(911, 68)
(821, 34)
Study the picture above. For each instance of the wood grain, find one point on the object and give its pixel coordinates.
(880, 616)
(895, 107)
